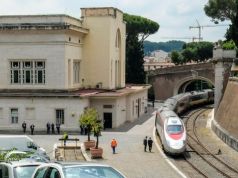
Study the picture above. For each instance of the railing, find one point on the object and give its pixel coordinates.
(69, 139)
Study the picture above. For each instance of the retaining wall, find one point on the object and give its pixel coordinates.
(225, 124)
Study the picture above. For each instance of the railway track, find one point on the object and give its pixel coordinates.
(203, 161)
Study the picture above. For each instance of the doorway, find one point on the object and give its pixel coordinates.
(107, 120)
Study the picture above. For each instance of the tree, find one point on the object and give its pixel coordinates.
(168, 46)
(134, 61)
(88, 118)
(188, 54)
(195, 51)
(137, 30)
(139, 26)
(201, 51)
(221, 10)
(176, 57)
(97, 128)
(204, 51)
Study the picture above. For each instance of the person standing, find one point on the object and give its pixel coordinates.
(48, 127)
(150, 142)
(53, 128)
(32, 127)
(24, 127)
(65, 137)
(81, 129)
(113, 145)
(145, 143)
(58, 127)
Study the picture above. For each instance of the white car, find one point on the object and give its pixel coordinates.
(18, 169)
(76, 170)
(21, 143)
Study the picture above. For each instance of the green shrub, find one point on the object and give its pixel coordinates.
(229, 45)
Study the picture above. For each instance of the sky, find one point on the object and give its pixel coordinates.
(173, 16)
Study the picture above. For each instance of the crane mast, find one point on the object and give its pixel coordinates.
(199, 27)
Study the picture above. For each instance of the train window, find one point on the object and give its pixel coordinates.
(174, 129)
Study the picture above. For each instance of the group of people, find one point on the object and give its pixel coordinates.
(48, 127)
(52, 127)
(32, 128)
(148, 142)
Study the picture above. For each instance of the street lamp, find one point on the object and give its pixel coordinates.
(195, 75)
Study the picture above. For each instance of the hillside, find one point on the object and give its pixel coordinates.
(165, 46)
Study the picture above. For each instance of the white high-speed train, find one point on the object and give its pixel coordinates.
(170, 127)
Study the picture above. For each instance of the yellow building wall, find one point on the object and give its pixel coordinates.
(100, 52)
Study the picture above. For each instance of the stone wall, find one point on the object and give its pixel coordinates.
(226, 116)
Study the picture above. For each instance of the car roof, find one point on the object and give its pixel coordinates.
(21, 163)
(63, 165)
(67, 164)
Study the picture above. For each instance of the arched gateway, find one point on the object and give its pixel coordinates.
(170, 81)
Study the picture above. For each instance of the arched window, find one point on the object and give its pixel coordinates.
(118, 39)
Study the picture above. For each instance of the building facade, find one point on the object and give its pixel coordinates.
(55, 66)
(158, 59)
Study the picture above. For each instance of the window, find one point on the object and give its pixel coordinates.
(60, 116)
(76, 69)
(107, 106)
(174, 129)
(4, 171)
(39, 72)
(40, 172)
(15, 72)
(14, 115)
(27, 72)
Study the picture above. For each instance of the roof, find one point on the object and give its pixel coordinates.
(124, 91)
(22, 163)
(73, 93)
(41, 22)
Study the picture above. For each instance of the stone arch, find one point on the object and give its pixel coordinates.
(189, 80)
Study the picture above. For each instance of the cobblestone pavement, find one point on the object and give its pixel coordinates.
(130, 157)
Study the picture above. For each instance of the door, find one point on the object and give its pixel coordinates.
(107, 120)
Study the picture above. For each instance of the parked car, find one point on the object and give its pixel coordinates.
(18, 169)
(21, 143)
(76, 170)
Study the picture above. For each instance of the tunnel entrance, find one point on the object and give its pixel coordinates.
(195, 85)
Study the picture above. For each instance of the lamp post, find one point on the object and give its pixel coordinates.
(195, 75)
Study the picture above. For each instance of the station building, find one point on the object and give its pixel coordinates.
(52, 67)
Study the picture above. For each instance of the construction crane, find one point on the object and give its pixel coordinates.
(199, 27)
(189, 38)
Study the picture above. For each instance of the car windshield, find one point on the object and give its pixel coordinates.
(24, 171)
(91, 172)
(174, 129)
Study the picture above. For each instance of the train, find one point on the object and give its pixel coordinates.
(169, 125)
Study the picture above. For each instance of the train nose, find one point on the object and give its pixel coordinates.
(177, 145)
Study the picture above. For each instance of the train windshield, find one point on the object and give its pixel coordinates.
(174, 129)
